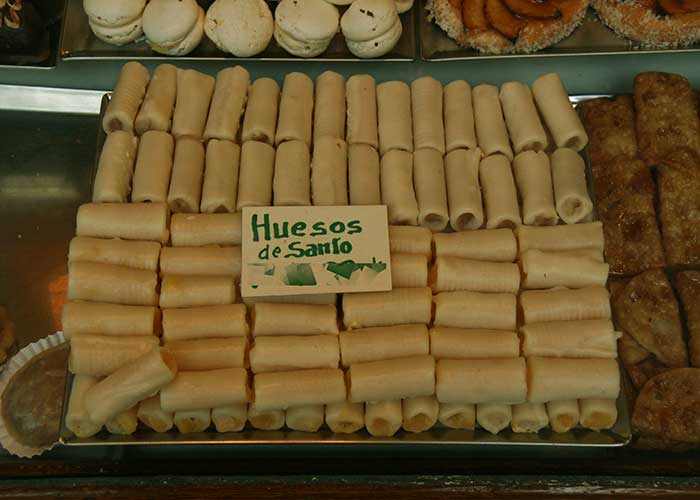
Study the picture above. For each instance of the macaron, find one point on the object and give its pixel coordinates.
(371, 28)
(112, 13)
(305, 28)
(403, 5)
(173, 27)
(241, 27)
(118, 35)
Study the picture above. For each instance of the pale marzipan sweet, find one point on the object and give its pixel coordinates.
(193, 290)
(374, 344)
(563, 414)
(206, 229)
(296, 109)
(256, 175)
(345, 417)
(362, 110)
(189, 421)
(260, 120)
(431, 193)
(227, 104)
(282, 390)
(157, 109)
(419, 413)
(552, 379)
(494, 417)
(459, 116)
(292, 352)
(493, 245)
(185, 191)
(230, 418)
(564, 237)
(529, 417)
(549, 270)
(115, 168)
(534, 178)
(491, 131)
(410, 239)
(131, 221)
(396, 178)
(560, 116)
(136, 254)
(203, 261)
(329, 172)
(570, 188)
(463, 343)
(391, 379)
(126, 98)
(220, 187)
(268, 420)
(449, 274)
(383, 418)
(593, 338)
(598, 414)
(307, 418)
(394, 116)
(426, 104)
(329, 108)
(154, 164)
(77, 419)
(192, 390)
(209, 354)
(101, 355)
(363, 175)
(524, 125)
(220, 321)
(293, 319)
(463, 189)
(291, 183)
(495, 311)
(194, 91)
(109, 319)
(409, 270)
(565, 305)
(500, 195)
(109, 283)
(153, 416)
(457, 415)
(396, 307)
(491, 380)
(123, 423)
(314, 298)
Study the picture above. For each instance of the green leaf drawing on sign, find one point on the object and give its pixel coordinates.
(299, 275)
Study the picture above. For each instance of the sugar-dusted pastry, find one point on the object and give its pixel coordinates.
(154, 164)
(463, 190)
(329, 108)
(363, 175)
(396, 307)
(192, 390)
(529, 418)
(115, 168)
(229, 418)
(296, 109)
(221, 321)
(570, 187)
(500, 195)
(419, 413)
(558, 113)
(492, 245)
(291, 184)
(593, 338)
(563, 414)
(209, 354)
(534, 178)
(491, 130)
(308, 418)
(256, 175)
(294, 352)
(383, 418)
(431, 192)
(362, 110)
(157, 109)
(345, 417)
(227, 104)
(548, 270)
(688, 285)
(524, 125)
(609, 122)
(137, 254)
(561, 238)
(293, 319)
(185, 190)
(193, 291)
(126, 98)
(153, 416)
(111, 283)
(391, 379)
(109, 319)
(329, 172)
(565, 305)
(428, 127)
(457, 415)
(206, 229)
(466, 309)
(394, 115)
(220, 187)
(194, 91)
(260, 120)
(409, 270)
(398, 194)
(282, 390)
(553, 379)
(494, 380)
(131, 221)
(459, 116)
(374, 344)
(410, 239)
(464, 343)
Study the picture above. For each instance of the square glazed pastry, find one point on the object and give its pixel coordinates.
(679, 206)
(688, 286)
(667, 115)
(609, 123)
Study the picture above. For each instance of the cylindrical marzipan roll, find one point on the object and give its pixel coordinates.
(383, 418)
(549, 270)
(362, 110)
(220, 186)
(491, 380)
(230, 418)
(462, 343)
(563, 414)
(533, 175)
(136, 254)
(185, 190)
(329, 108)
(552, 379)
(524, 125)
(558, 113)
(419, 413)
(157, 108)
(153, 416)
(529, 418)
(556, 238)
(410, 239)
(115, 168)
(192, 291)
(431, 193)
(260, 121)
(131, 221)
(457, 415)
(345, 417)
(282, 390)
(463, 190)
(304, 418)
(291, 183)
(314, 299)
(194, 91)
(209, 354)
(570, 188)
(396, 178)
(500, 195)
(409, 270)
(109, 319)
(450, 274)
(396, 307)
(329, 172)
(296, 109)
(126, 98)
(598, 414)
(269, 420)
(565, 305)
(109, 283)
(203, 261)
(391, 379)
(77, 419)
(491, 129)
(227, 104)
(194, 230)
(494, 417)
(426, 103)
(493, 245)
(464, 309)
(394, 114)
(291, 352)
(192, 390)
(459, 116)
(375, 344)
(189, 421)
(205, 322)
(363, 175)
(154, 164)
(256, 175)
(123, 423)
(293, 319)
(593, 338)
(100, 355)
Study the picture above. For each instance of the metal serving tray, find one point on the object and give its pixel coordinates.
(619, 435)
(79, 43)
(591, 38)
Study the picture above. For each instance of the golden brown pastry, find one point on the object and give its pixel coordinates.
(609, 123)
(688, 285)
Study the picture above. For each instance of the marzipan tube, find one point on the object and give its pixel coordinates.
(459, 116)
(152, 415)
(549, 270)
(552, 379)
(329, 172)
(256, 175)
(291, 183)
(496, 311)
(598, 414)
(533, 175)
(500, 195)
(205, 322)
(291, 352)
(296, 109)
(210, 354)
(126, 98)
(345, 417)
(109, 319)
(529, 418)
(524, 125)
(192, 390)
(396, 178)
(563, 414)
(115, 168)
(363, 175)
(269, 420)
(203, 261)
(282, 390)
(556, 238)
(410, 239)
(227, 104)
(190, 421)
(449, 274)
(493, 245)
(394, 114)
(489, 380)
(391, 379)
(462, 343)
(192, 291)
(558, 113)
(293, 319)
(132, 383)
(593, 338)
(409, 270)
(362, 110)
(260, 121)
(100, 355)
(491, 129)
(396, 307)
(426, 102)
(220, 186)
(136, 254)
(123, 423)
(375, 344)
(565, 305)
(109, 283)
(77, 419)
(185, 190)
(570, 188)
(329, 109)
(431, 193)
(131, 221)
(383, 418)
(154, 164)
(457, 415)
(314, 299)
(419, 413)
(230, 418)
(194, 91)
(463, 189)
(307, 418)
(157, 108)
(190, 230)
(494, 417)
